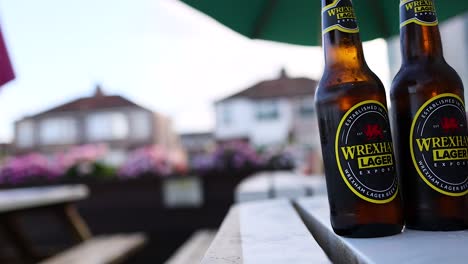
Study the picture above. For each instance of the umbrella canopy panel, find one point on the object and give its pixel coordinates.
(298, 21)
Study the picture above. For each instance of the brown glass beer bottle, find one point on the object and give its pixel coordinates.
(429, 125)
(355, 133)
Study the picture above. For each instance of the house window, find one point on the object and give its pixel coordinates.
(58, 130)
(107, 126)
(267, 110)
(25, 134)
(306, 107)
(226, 115)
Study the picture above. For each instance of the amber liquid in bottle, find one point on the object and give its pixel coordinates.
(355, 138)
(429, 129)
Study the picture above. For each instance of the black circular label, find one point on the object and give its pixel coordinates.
(439, 144)
(364, 152)
(339, 15)
(421, 12)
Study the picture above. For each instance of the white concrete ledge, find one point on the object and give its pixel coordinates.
(265, 232)
(253, 188)
(193, 250)
(416, 247)
(279, 184)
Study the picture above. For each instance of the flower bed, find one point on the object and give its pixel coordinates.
(86, 164)
(131, 198)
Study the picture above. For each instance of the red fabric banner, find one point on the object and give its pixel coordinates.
(6, 69)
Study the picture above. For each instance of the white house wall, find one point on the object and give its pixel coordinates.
(272, 132)
(241, 119)
(243, 123)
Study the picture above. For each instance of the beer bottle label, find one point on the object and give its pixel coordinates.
(439, 144)
(421, 12)
(339, 15)
(364, 152)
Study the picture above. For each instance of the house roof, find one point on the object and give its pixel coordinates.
(284, 86)
(98, 101)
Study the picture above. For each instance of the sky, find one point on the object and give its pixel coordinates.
(161, 54)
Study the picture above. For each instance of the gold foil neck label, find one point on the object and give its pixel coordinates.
(421, 12)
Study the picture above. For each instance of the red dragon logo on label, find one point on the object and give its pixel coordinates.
(373, 132)
(449, 124)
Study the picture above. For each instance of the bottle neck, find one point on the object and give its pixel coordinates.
(340, 39)
(419, 41)
(343, 50)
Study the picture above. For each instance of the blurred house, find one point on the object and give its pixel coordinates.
(110, 119)
(273, 114)
(196, 143)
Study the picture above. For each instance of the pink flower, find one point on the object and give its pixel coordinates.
(147, 160)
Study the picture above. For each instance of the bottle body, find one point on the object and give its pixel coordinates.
(426, 205)
(355, 136)
(430, 133)
(352, 215)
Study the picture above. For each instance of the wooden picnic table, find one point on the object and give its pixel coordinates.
(60, 200)
(27, 198)
(298, 230)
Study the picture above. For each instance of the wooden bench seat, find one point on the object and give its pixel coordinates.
(100, 250)
(193, 250)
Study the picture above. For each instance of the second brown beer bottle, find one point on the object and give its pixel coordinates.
(430, 128)
(355, 133)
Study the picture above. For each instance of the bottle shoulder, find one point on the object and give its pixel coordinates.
(427, 78)
(347, 75)
(350, 93)
(337, 82)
